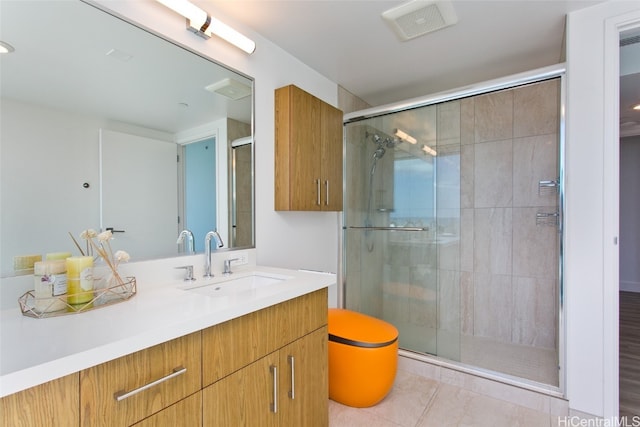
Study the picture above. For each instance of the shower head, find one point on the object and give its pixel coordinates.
(384, 142)
(379, 153)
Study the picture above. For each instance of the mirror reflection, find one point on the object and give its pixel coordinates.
(105, 125)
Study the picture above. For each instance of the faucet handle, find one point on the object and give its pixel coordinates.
(227, 265)
(188, 274)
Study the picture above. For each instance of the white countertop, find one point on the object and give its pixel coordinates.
(34, 351)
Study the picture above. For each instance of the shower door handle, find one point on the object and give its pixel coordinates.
(389, 228)
(318, 191)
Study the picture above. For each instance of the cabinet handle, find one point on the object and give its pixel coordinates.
(292, 363)
(318, 192)
(121, 395)
(326, 188)
(274, 405)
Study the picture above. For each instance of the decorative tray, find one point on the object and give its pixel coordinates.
(58, 306)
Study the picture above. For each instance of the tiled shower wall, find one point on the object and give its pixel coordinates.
(484, 279)
(508, 264)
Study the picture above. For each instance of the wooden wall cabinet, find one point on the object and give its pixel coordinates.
(308, 152)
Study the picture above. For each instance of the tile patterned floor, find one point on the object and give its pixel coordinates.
(416, 401)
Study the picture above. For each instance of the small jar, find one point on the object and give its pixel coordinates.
(50, 285)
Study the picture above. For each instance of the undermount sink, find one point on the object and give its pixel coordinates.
(255, 284)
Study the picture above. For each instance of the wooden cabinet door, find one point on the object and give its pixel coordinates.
(55, 403)
(245, 398)
(306, 151)
(232, 345)
(332, 153)
(304, 386)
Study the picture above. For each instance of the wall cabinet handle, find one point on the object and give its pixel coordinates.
(122, 395)
(274, 405)
(292, 364)
(318, 191)
(326, 188)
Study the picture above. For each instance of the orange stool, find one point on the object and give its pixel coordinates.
(363, 358)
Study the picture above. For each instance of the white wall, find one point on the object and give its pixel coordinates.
(291, 239)
(629, 218)
(62, 153)
(591, 255)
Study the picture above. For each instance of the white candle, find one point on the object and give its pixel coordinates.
(79, 279)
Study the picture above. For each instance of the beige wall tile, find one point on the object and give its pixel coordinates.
(536, 108)
(493, 302)
(494, 116)
(535, 247)
(467, 121)
(467, 174)
(493, 229)
(448, 121)
(535, 316)
(535, 159)
(493, 174)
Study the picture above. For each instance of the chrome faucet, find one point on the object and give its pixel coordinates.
(207, 248)
(190, 246)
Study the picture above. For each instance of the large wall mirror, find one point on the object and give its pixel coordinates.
(105, 125)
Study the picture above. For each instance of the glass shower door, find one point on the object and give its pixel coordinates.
(395, 232)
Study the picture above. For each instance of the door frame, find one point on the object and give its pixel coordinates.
(611, 212)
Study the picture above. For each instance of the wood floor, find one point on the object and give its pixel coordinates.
(629, 354)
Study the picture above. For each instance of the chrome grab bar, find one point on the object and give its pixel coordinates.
(121, 395)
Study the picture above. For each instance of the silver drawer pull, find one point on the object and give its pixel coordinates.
(318, 191)
(121, 395)
(292, 363)
(274, 405)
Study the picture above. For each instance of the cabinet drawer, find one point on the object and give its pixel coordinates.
(237, 343)
(128, 389)
(53, 403)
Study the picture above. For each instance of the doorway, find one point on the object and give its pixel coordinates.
(629, 225)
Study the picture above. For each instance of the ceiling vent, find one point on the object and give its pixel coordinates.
(419, 17)
(230, 88)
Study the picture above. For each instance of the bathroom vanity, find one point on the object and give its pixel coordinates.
(173, 356)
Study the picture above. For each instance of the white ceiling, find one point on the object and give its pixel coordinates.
(350, 43)
(141, 84)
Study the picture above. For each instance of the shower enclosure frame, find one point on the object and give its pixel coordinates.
(533, 76)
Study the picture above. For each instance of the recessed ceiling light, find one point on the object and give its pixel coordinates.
(6, 47)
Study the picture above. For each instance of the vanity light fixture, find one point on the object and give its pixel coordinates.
(429, 150)
(636, 107)
(6, 47)
(405, 136)
(202, 24)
